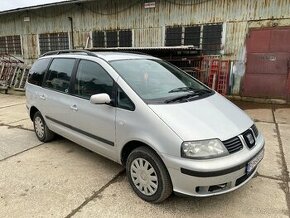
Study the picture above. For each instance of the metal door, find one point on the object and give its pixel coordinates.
(268, 62)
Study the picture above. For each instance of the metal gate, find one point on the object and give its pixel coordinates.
(268, 63)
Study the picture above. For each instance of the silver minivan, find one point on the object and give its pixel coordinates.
(170, 131)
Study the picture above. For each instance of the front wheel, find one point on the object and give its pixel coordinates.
(148, 175)
(43, 133)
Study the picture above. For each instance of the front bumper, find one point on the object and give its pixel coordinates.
(214, 176)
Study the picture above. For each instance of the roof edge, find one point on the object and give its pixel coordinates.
(42, 6)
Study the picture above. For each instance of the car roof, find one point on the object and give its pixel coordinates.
(107, 56)
(110, 56)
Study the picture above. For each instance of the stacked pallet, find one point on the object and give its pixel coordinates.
(218, 77)
(13, 73)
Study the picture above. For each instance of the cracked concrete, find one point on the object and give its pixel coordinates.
(272, 152)
(13, 114)
(51, 180)
(62, 179)
(285, 172)
(14, 141)
(251, 200)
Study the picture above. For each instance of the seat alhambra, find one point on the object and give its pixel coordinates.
(170, 131)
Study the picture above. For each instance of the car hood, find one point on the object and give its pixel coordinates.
(210, 117)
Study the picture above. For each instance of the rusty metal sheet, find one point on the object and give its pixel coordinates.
(267, 72)
(280, 39)
(267, 63)
(265, 85)
(151, 37)
(259, 40)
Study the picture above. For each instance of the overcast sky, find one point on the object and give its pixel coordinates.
(6, 5)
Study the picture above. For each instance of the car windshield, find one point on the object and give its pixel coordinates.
(157, 81)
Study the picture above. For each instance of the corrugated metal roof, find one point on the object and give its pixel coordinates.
(147, 25)
(17, 5)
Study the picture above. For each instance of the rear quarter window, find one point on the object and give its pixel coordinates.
(37, 71)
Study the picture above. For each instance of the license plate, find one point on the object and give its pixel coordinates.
(254, 162)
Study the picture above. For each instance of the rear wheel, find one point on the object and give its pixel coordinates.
(148, 175)
(42, 132)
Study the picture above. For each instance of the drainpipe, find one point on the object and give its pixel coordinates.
(72, 32)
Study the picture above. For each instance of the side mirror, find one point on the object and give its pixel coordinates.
(102, 98)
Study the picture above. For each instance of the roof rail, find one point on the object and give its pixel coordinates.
(117, 49)
(57, 52)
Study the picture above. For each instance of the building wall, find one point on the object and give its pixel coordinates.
(148, 25)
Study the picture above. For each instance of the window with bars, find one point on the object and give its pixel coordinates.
(2, 44)
(192, 35)
(173, 36)
(53, 41)
(114, 38)
(98, 39)
(211, 39)
(10, 44)
(208, 37)
(125, 38)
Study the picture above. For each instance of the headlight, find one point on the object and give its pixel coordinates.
(204, 149)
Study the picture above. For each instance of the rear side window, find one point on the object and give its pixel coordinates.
(37, 71)
(92, 79)
(59, 74)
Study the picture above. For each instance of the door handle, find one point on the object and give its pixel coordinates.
(74, 107)
(42, 96)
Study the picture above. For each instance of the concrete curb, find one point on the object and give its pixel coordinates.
(257, 100)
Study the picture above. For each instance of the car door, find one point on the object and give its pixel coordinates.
(94, 123)
(55, 95)
(33, 91)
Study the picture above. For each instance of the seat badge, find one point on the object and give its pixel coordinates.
(250, 138)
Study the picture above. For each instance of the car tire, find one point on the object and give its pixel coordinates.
(148, 175)
(43, 133)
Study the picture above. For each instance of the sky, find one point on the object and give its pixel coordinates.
(6, 5)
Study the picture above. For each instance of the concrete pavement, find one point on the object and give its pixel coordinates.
(62, 179)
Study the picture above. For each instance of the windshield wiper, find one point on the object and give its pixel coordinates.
(203, 91)
(189, 96)
(182, 89)
(180, 98)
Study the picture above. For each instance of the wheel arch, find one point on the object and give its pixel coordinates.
(130, 146)
(32, 111)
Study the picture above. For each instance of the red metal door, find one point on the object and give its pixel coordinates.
(268, 63)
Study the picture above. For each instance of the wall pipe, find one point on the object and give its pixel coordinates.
(72, 32)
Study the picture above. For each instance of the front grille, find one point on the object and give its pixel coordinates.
(255, 130)
(233, 145)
